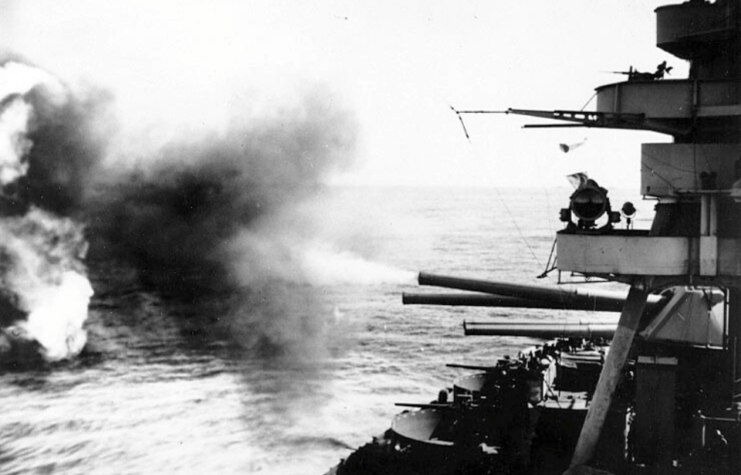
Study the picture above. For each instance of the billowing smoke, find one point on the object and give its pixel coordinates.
(215, 217)
(176, 210)
(211, 218)
(43, 284)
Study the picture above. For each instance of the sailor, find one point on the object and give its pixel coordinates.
(662, 69)
(523, 426)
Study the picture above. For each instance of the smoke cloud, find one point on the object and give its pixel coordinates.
(175, 209)
(216, 217)
(43, 284)
(210, 218)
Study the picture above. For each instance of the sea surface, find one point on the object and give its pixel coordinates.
(151, 395)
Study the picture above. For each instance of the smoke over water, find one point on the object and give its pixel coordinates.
(218, 218)
(223, 218)
(43, 284)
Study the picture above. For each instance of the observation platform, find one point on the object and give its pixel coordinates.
(681, 99)
(637, 253)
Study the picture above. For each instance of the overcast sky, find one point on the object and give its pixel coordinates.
(399, 65)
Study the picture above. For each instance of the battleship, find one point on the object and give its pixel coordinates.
(658, 389)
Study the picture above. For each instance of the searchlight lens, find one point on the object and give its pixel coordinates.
(628, 209)
(589, 203)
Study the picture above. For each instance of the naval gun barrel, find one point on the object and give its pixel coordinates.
(425, 406)
(546, 330)
(472, 300)
(470, 366)
(558, 298)
(491, 300)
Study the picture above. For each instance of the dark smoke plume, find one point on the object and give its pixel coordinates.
(68, 144)
(174, 213)
(210, 218)
(67, 134)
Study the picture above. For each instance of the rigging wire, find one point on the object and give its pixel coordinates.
(552, 261)
(514, 221)
(587, 103)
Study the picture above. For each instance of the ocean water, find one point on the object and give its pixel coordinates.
(153, 395)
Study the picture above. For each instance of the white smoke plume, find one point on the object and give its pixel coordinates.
(41, 271)
(13, 142)
(328, 266)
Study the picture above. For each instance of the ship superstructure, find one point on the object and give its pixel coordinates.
(694, 240)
